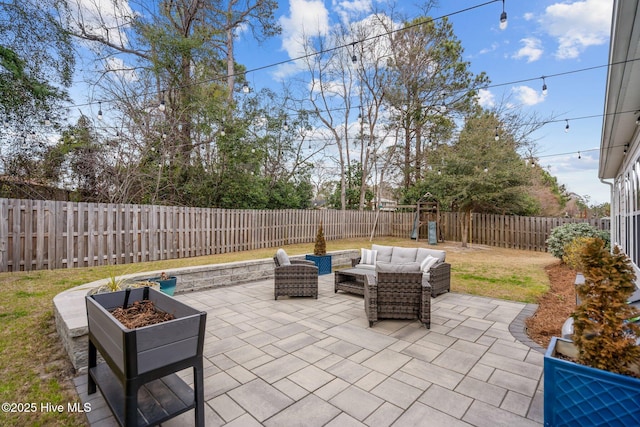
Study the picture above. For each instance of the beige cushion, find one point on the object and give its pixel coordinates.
(283, 258)
(383, 252)
(368, 256)
(427, 263)
(371, 267)
(403, 255)
(386, 267)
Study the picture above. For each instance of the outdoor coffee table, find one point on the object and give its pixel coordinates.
(351, 280)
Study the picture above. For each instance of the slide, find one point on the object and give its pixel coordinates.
(416, 226)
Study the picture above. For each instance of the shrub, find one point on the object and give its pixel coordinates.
(320, 247)
(573, 252)
(604, 337)
(564, 234)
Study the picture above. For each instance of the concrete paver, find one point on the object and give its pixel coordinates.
(308, 362)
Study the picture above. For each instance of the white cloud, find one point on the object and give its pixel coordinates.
(577, 25)
(528, 16)
(348, 9)
(527, 96)
(307, 18)
(531, 50)
(486, 99)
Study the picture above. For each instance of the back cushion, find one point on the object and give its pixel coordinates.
(384, 252)
(283, 258)
(403, 255)
(368, 256)
(424, 252)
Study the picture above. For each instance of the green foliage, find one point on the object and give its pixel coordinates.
(320, 247)
(604, 338)
(564, 234)
(478, 173)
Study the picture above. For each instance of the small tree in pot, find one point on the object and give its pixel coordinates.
(593, 380)
(602, 332)
(320, 257)
(320, 247)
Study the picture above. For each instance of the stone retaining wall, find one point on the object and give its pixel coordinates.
(70, 309)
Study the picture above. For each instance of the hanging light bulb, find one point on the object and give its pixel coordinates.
(579, 155)
(626, 148)
(222, 132)
(486, 169)
(503, 18)
(637, 118)
(354, 58)
(544, 87)
(285, 126)
(566, 128)
(100, 111)
(47, 120)
(162, 105)
(245, 88)
(497, 137)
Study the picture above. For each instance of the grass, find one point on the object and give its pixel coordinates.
(35, 368)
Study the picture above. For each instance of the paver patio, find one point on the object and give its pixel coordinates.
(308, 362)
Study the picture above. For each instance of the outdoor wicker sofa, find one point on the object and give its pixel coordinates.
(438, 275)
(397, 295)
(294, 277)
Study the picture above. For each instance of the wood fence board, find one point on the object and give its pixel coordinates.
(48, 234)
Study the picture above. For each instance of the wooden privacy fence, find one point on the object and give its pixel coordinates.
(508, 231)
(38, 234)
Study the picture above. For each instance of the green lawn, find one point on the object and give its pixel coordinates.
(35, 368)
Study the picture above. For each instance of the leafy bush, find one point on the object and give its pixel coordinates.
(604, 337)
(573, 252)
(564, 234)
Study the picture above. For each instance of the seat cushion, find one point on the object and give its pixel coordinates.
(383, 252)
(371, 267)
(388, 267)
(283, 258)
(403, 255)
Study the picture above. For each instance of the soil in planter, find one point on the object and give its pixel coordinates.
(141, 313)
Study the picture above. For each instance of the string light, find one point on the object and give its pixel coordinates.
(503, 18)
(566, 128)
(246, 88)
(354, 58)
(100, 110)
(544, 87)
(579, 156)
(497, 137)
(162, 105)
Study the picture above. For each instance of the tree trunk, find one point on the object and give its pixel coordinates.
(464, 225)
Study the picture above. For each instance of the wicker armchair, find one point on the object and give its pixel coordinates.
(397, 296)
(294, 278)
(439, 277)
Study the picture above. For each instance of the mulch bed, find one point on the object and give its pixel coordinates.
(555, 306)
(141, 313)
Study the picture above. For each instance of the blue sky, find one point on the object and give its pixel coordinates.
(542, 38)
(567, 41)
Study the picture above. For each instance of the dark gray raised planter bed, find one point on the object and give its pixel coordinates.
(138, 378)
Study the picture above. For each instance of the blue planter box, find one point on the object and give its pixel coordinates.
(578, 395)
(323, 262)
(167, 286)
